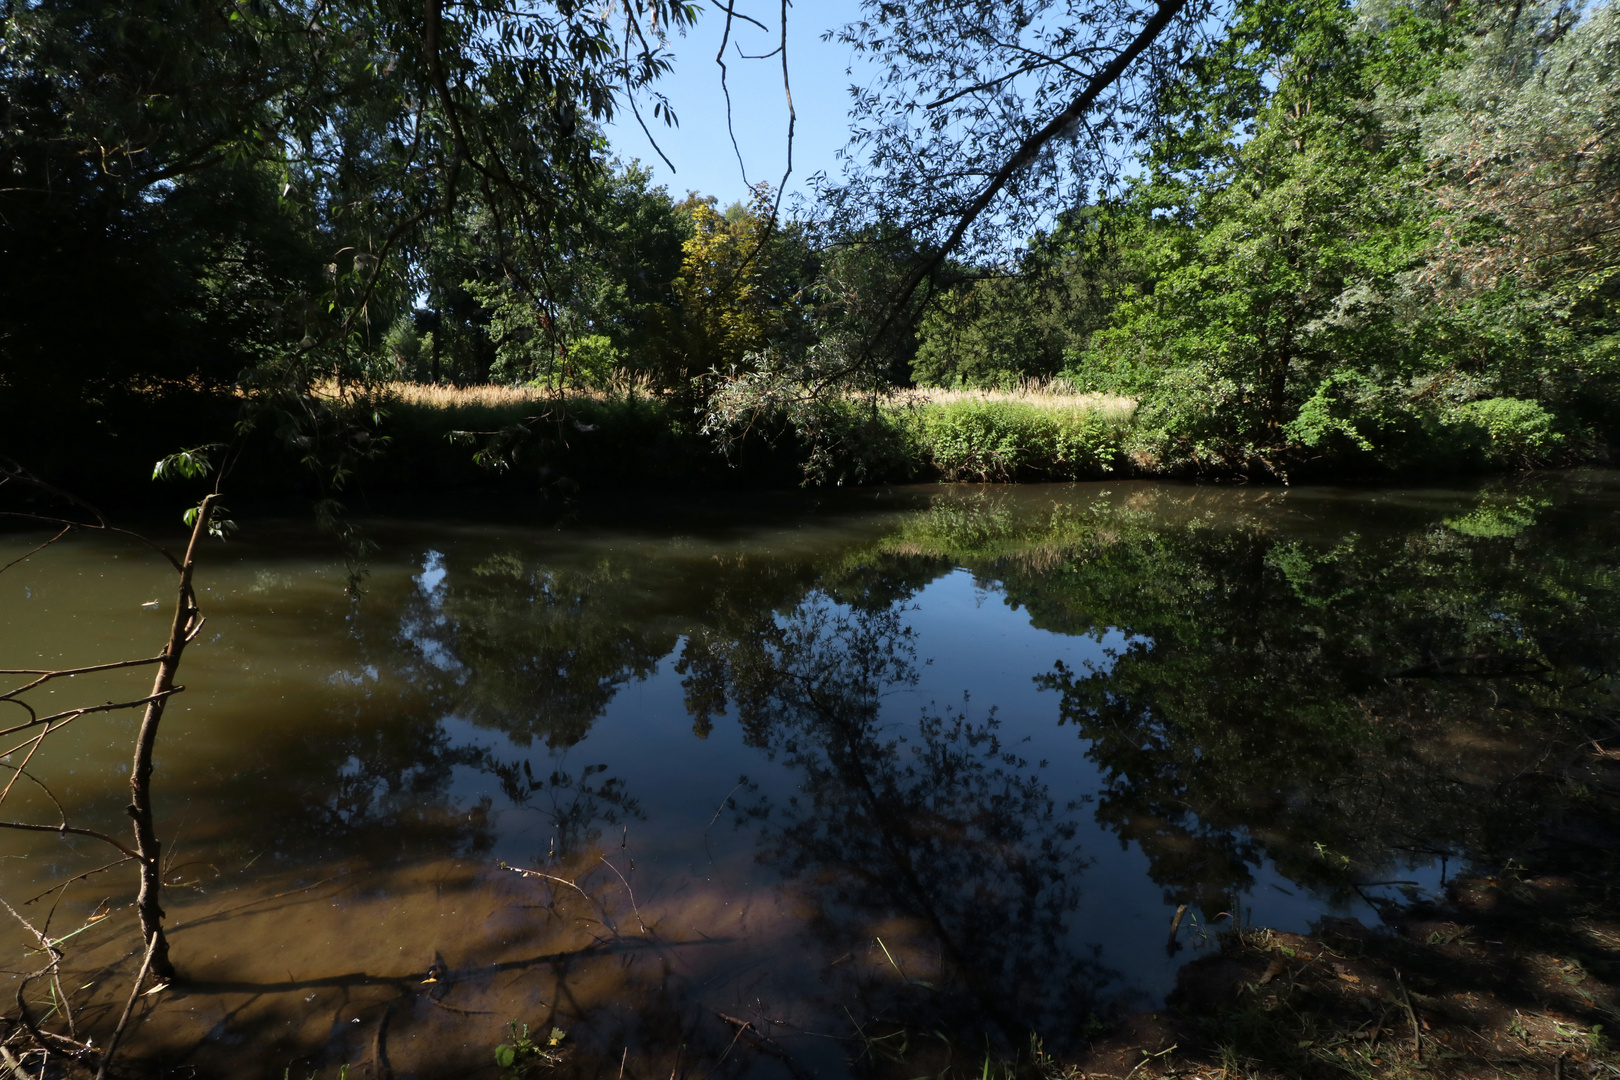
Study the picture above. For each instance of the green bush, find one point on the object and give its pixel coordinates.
(592, 361)
(849, 441)
(1004, 440)
(1515, 431)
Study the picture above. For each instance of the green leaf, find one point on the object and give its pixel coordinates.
(193, 464)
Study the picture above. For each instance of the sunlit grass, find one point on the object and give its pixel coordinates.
(1055, 396)
(444, 396)
(503, 395)
(1042, 431)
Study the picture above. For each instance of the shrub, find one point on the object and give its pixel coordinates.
(1002, 440)
(592, 361)
(1519, 432)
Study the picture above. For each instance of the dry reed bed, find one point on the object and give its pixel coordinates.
(1047, 397)
(453, 397)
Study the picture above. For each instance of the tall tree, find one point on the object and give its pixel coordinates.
(987, 120)
(137, 134)
(1282, 209)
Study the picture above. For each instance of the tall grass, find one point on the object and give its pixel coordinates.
(506, 396)
(1040, 432)
(428, 396)
(999, 435)
(620, 436)
(1055, 396)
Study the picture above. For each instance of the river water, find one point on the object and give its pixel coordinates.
(881, 773)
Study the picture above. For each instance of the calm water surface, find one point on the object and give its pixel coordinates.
(936, 760)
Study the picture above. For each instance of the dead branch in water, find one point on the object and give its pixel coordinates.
(146, 850)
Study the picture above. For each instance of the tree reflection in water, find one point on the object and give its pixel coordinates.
(939, 873)
(528, 650)
(1332, 695)
(1342, 696)
(1347, 698)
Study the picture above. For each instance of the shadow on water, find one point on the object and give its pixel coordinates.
(938, 871)
(781, 796)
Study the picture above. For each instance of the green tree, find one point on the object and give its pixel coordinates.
(1029, 322)
(294, 161)
(1271, 238)
(741, 289)
(1528, 132)
(990, 333)
(610, 292)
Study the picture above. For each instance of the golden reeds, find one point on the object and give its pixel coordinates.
(1052, 396)
(1055, 396)
(450, 397)
(498, 395)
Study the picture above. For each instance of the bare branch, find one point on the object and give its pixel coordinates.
(49, 794)
(71, 880)
(793, 117)
(46, 675)
(73, 714)
(129, 1007)
(93, 834)
(720, 58)
(730, 14)
(1021, 157)
(127, 533)
(30, 757)
(35, 551)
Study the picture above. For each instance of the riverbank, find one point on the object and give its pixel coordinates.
(1513, 973)
(508, 447)
(1513, 976)
(1042, 432)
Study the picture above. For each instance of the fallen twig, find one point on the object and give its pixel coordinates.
(43, 1037)
(1411, 1014)
(548, 877)
(632, 894)
(1149, 1057)
(129, 1007)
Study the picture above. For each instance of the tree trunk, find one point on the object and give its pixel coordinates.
(147, 846)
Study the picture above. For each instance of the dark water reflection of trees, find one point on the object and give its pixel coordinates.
(1344, 689)
(929, 831)
(1343, 696)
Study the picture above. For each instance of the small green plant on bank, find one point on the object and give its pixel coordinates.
(523, 1057)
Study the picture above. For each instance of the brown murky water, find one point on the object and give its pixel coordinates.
(941, 762)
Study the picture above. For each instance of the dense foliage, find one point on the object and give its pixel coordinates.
(1363, 236)
(1318, 236)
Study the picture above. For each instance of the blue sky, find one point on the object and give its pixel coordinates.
(700, 149)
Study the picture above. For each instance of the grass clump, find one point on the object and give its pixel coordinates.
(1003, 437)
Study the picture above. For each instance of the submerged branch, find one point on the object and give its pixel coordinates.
(76, 831)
